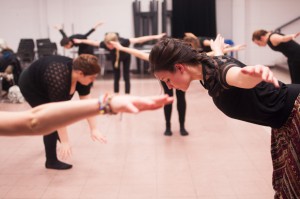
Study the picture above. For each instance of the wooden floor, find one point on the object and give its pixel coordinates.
(222, 158)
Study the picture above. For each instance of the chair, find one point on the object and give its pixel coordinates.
(45, 47)
(25, 51)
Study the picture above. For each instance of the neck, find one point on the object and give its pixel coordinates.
(196, 72)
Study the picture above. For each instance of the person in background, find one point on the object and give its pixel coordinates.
(203, 43)
(181, 102)
(68, 42)
(284, 44)
(57, 78)
(10, 67)
(118, 57)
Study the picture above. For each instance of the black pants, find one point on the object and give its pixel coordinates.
(181, 106)
(126, 75)
(294, 68)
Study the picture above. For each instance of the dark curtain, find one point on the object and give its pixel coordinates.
(195, 16)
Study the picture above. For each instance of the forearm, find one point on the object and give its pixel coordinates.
(89, 32)
(46, 118)
(142, 39)
(235, 77)
(287, 38)
(90, 42)
(63, 135)
(63, 33)
(136, 53)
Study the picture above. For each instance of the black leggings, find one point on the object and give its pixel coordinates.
(181, 106)
(294, 68)
(126, 75)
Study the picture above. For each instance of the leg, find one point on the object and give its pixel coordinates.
(294, 67)
(167, 110)
(126, 74)
(116, 77)
(181, 107)
(285, 152)
(52, 162)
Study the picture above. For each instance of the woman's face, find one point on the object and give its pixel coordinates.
(260, 42)
(180, 79)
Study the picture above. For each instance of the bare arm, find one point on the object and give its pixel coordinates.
(250, 76)
(60, 29)
(46, 118)
(87, 41)
(135, 52)
(146, 38)
(276, 39)
(95, 134)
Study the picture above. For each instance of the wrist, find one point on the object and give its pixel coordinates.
(105, 104)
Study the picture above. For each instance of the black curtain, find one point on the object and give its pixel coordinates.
(195, 16)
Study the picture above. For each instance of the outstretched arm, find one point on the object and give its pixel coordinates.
(234, 48)
(60, 29)
(276, 39)
(87, 41)
(146, 38)
(250, 76)
(93, 29)
(46, 118)
(135, 52)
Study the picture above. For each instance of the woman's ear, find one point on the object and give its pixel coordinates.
(180, 67)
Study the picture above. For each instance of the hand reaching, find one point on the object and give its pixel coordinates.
(116, 44)
(65, 150)
(296, 35)
(77, 41)
(97, 136)
(217, 45)
(99, 23)
(135, 104)
(159, 36)
(262, 72)
(58, 27)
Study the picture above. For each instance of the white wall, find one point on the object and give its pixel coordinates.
(269, 15)
(236, 19)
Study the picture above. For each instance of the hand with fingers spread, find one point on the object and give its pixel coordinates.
(97, 136)
(65, 150)
(135, 104)
(218, 45)
(262, 72)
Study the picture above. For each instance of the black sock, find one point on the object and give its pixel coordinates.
(168, 131)
(183, 132)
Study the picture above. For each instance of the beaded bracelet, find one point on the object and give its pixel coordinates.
(104, 104)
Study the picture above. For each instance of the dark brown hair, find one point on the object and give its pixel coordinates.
(87, 64)
(169, 51)
(258, 34)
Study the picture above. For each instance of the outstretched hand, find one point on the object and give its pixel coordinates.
(218, 45)
(135, 104)
(262, 72)
(77, 41)
(99, 23)
(58, 27)
(296, 35)
(116, 44)
(159, 36)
